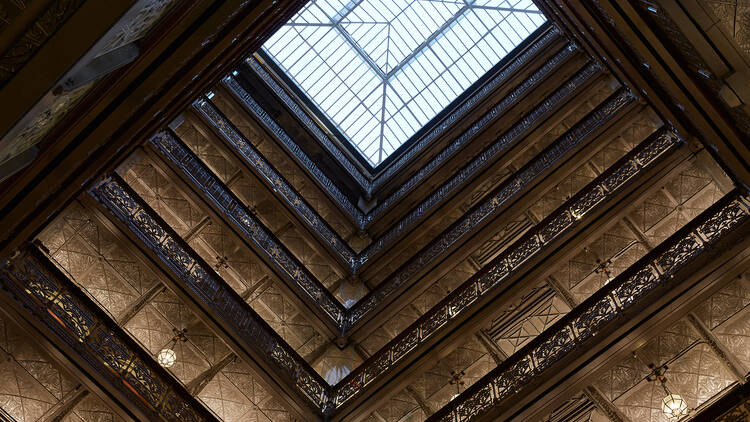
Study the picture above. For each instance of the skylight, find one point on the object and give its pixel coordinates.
(382, 69)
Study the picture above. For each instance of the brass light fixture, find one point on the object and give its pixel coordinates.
(457, 381)
(167, 356)
(673, 406)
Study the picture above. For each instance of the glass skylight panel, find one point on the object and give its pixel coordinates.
(380, 70)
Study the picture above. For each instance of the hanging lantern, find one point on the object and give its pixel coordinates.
(166, 358)
(457, 381)
(674, 407)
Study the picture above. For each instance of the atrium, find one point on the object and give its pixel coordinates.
(374, 211)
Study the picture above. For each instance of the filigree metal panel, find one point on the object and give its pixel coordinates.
(369, 186)
(494, 202)
(37, 34)
(489, 155)
(53, 300)
(226, 201)
(488, 208)
(600, 310)
(509, 263)
(245, 221)
(213, 292)
(254, 158)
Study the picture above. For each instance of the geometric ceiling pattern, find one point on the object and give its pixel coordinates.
(227, 270)
(381, 70)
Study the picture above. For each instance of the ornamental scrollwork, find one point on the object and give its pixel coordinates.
(510, 262)
(511, 136)
(245, 221)
(601, 309)
(365, 184)
(37, 285)
(197, 276)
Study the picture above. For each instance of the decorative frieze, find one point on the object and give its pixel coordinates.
(214, 293)
(601, 310)
(53, 300)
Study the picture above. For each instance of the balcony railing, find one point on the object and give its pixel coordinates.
(369, 187)
(216, 293)
(301, 279)
(247, 327)
(509, 263)
(54, 301)
(601, 310)
(287, 193)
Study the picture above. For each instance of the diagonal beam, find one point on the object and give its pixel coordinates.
(64, 407)
(85, 334)
(727, 358)
(201, 381)
(689, 255)
(216, 303)
(132, 310)
(602, 403)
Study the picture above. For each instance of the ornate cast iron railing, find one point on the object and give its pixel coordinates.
(284, 189)
(651, 274)
(550, 103)
(54, 301)
(253, 229)
(328, 236)
(509, 263)
(305, 282)
(248, 328)
(493, 203)
(504, 267)
(370, 186)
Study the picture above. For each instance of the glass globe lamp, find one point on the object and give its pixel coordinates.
(166, 358)
(674, 407)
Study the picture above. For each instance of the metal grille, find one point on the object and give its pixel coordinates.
(382, 69)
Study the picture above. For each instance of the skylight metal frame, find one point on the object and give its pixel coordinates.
(342, 38)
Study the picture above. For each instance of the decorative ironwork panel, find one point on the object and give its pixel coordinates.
(285, 190)
(495, 201)
(214, 293)
(355, 261)
(487, 156)
(35, 284)
(253, 229)
(258, 161)
(601, 309)
(509, 263)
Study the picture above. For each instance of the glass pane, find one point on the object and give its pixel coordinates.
(381, 69)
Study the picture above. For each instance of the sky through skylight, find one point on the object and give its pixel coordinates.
(381, 69)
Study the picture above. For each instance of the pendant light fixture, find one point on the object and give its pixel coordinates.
(457, 381)
(673, 406)
(167, 356)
